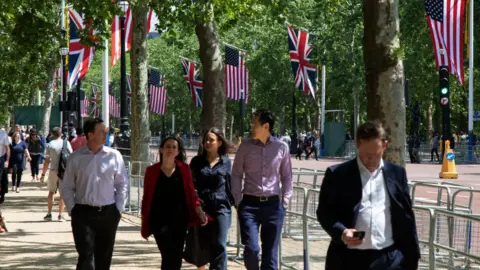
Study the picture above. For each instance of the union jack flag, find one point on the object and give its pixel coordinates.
(300, 50)
(80, 56)
(94, 101)
(194, 84)
(116, 33)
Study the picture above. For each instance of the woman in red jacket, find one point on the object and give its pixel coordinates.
(170, 203)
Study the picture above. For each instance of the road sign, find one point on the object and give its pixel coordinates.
(444, 101)
(450, 156)
(476, 116)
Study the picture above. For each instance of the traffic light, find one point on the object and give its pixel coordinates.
(444, 86)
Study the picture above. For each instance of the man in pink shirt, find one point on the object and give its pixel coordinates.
(79, 141)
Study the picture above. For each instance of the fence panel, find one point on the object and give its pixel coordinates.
(456, 243)
(292, 242)
(318, 239)
(424, 218)
(306, 179)
(462, 201)
(442, 193)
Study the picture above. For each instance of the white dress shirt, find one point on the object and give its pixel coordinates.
(374, 215)
(4, 141)
(96, 179)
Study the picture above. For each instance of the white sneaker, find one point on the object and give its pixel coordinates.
(61, 218)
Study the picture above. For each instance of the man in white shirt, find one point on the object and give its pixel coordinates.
(94, 188)
(54, 148)
(365, 207)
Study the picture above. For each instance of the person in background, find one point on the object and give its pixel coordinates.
(4, 158)
(261, 166)
(19, 130)
(16, 165)
(365, 207)
(36, 147)
(110, 137)
(286, 139)
(79, 141)
(434, 147)
(94, 188)
(54, 148)
(169, 203)
(211, 172)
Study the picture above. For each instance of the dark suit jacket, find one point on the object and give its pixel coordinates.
(339, 203)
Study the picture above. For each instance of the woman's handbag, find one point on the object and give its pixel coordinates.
(197, 246)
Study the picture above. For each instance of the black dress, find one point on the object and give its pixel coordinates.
(169, 218)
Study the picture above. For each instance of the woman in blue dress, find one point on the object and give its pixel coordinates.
(16, 164)
(211, 172)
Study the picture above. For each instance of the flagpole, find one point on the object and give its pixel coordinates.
(470, 85)
(322, 125)
(234, 47)
(105, 98)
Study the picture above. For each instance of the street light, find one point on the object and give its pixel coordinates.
(64, 52)
(123, 139)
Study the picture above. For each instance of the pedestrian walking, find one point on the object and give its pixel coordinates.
(211, 172)
(16, 165)
(434, 147)
(4, 158)
(366, 209)
(79, 141)
(94, 187)
(170, 204)
(261, 165)
(54, 149)
(36, 148)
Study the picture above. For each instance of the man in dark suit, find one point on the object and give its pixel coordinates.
(368, 196)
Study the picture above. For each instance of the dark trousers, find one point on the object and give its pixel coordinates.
(389, 258)
(266, 217)
(34, 164)
(17, 175)
(170, 241)
(94, 231)
(218, 252)
(434, 150)
(3, 180)
(314, 150)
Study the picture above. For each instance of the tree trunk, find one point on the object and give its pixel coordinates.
(430, 120)
(281, 129)
(214, 104)
(384, 73)
(47, 106)
(140, 126)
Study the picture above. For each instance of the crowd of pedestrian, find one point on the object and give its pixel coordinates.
(364, 203)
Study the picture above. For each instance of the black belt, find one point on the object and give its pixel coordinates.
(96, 208)
(262, 199)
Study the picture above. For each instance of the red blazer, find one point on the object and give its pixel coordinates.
(150, 180)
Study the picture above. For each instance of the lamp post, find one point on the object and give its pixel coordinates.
(123, 138)
(65, 116)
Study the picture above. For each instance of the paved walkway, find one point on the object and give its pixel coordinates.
(32, 243)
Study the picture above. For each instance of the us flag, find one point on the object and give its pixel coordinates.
(114, 106)
(94, 101)
(236, 74)
(157, 92)
(446, 20)
(84, 107)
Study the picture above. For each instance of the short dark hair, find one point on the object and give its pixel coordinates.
(265, 116)
(370, 130)
(90, 124)
(182, 156)
(224, 149)
(56, 132)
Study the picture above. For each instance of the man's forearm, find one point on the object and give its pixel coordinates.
(45, 166)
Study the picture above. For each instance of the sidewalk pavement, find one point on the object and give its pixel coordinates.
(33, 243)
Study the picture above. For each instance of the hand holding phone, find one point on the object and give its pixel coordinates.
(359, 235)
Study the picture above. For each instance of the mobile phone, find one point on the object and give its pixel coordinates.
(359, 234)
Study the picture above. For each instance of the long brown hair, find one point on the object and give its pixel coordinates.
(223, 149)
(182, 156)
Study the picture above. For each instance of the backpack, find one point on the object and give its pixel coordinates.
(62, 160)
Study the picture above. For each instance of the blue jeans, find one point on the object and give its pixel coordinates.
(266, 217)
(218, 255)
